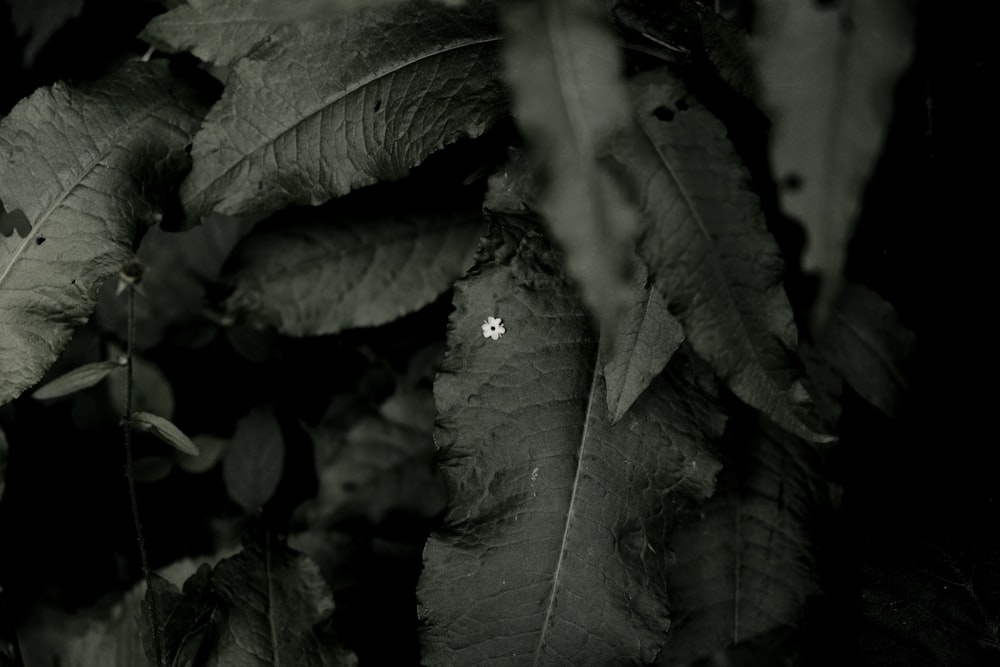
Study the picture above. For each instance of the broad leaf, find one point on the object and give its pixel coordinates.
(569, 97)
(709, 251)
(255, 460)
(41, 20)
(325, 108)
(185, 620)
(317, 276)
(828, 71)
(79, 378)
(91, 167)
(745, 564)
(164, 430)
(553, 550)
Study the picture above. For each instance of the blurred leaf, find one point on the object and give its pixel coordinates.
(77, 379)
(316, 276)
(302, 10)
(164, 430)
(90, 166)
(255, 460)
(868, 345)
(553, 550)
(648, 336)
(565, 71)
(40, 20)
(325, 108)
(185, 619)
(4, 448)
(210, 450)
(151, 390)
(828, 72)
(150, 469)
(746, 562)
(709, 251)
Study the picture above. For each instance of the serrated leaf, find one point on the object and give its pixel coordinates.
(40, 20)
(828, 72)
(316, 276)
(648, 336)
(325, 108)
(79, 378)
(709, 251)
(553, 550)
(746, 562)
(255, 459)
(185, 620)
(90, 166)
(165, 430)
(569, 97)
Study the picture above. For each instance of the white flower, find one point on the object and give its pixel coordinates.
(493, 328)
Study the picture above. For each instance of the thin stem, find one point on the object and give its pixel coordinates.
(130, 475)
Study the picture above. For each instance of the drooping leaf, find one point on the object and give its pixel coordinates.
(90, 166)
(3, 462)
(40, 20)
(255, 459)
(318, 276)
(648, 336)
(185, 620)
(709, 251)
(553, 548)
(827, 73)
(79, 378)
(165, 430)
(325, 108)
(569, 97)
(745, 563)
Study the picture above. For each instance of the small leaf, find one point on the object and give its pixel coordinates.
(185, 619)
(210, 450)
(164, 430)
(255, 460)
(77, 379)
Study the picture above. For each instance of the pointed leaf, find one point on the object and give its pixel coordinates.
(648, 336)
(709, 250)
(164, 430)
(746, 561)
(828, 72)
(255, 460)
(79, 378)
(185, 619)
(569, 96)
(90, 167)
(554, 546)
(325, 108)
(318, 276)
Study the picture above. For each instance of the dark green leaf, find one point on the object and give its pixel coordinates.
(325, 108)
(77, 379)
(553, 550)
(746, 560)
(254, 460)
(149, 469)
(151, 390)
(319, 276)
(90, 167)
(185, 620)
(165, 430)
(709, 250)
(41, 20)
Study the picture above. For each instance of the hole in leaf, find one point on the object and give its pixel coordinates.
(792, 182)
(40, 240)
(664, 114)
(682, 105)
(378, 105)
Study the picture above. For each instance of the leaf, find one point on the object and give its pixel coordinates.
(90, 166)
(553, 550)
(79, 378)
(709, 251)
(185, 619)
(210, 450)
(569, 97)
(315, 276)
(647, 337)
(828, 71)
(870, 347)
(254, 460)
(326, 108)
(164, 430)
(151, 390)
(746, 562)
(40, 20)
(4, 449)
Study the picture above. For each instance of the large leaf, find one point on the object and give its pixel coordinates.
(828, 71)
(325, 108)
(320, 276)
(709, 250)
(745, 564)
(553, 550)
(185, 620)
(90, 167)
(569, 97)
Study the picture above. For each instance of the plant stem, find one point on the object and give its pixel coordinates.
(130, 476)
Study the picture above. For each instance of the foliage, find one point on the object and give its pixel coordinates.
(275, 240)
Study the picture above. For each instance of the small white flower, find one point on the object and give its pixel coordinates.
(493, 328)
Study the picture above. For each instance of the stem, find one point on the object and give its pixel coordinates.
(130, 476)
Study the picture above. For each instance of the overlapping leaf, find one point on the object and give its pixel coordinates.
(185, 620)
(710, 253)
(553, 549)
(325, 108)
(90, 167)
